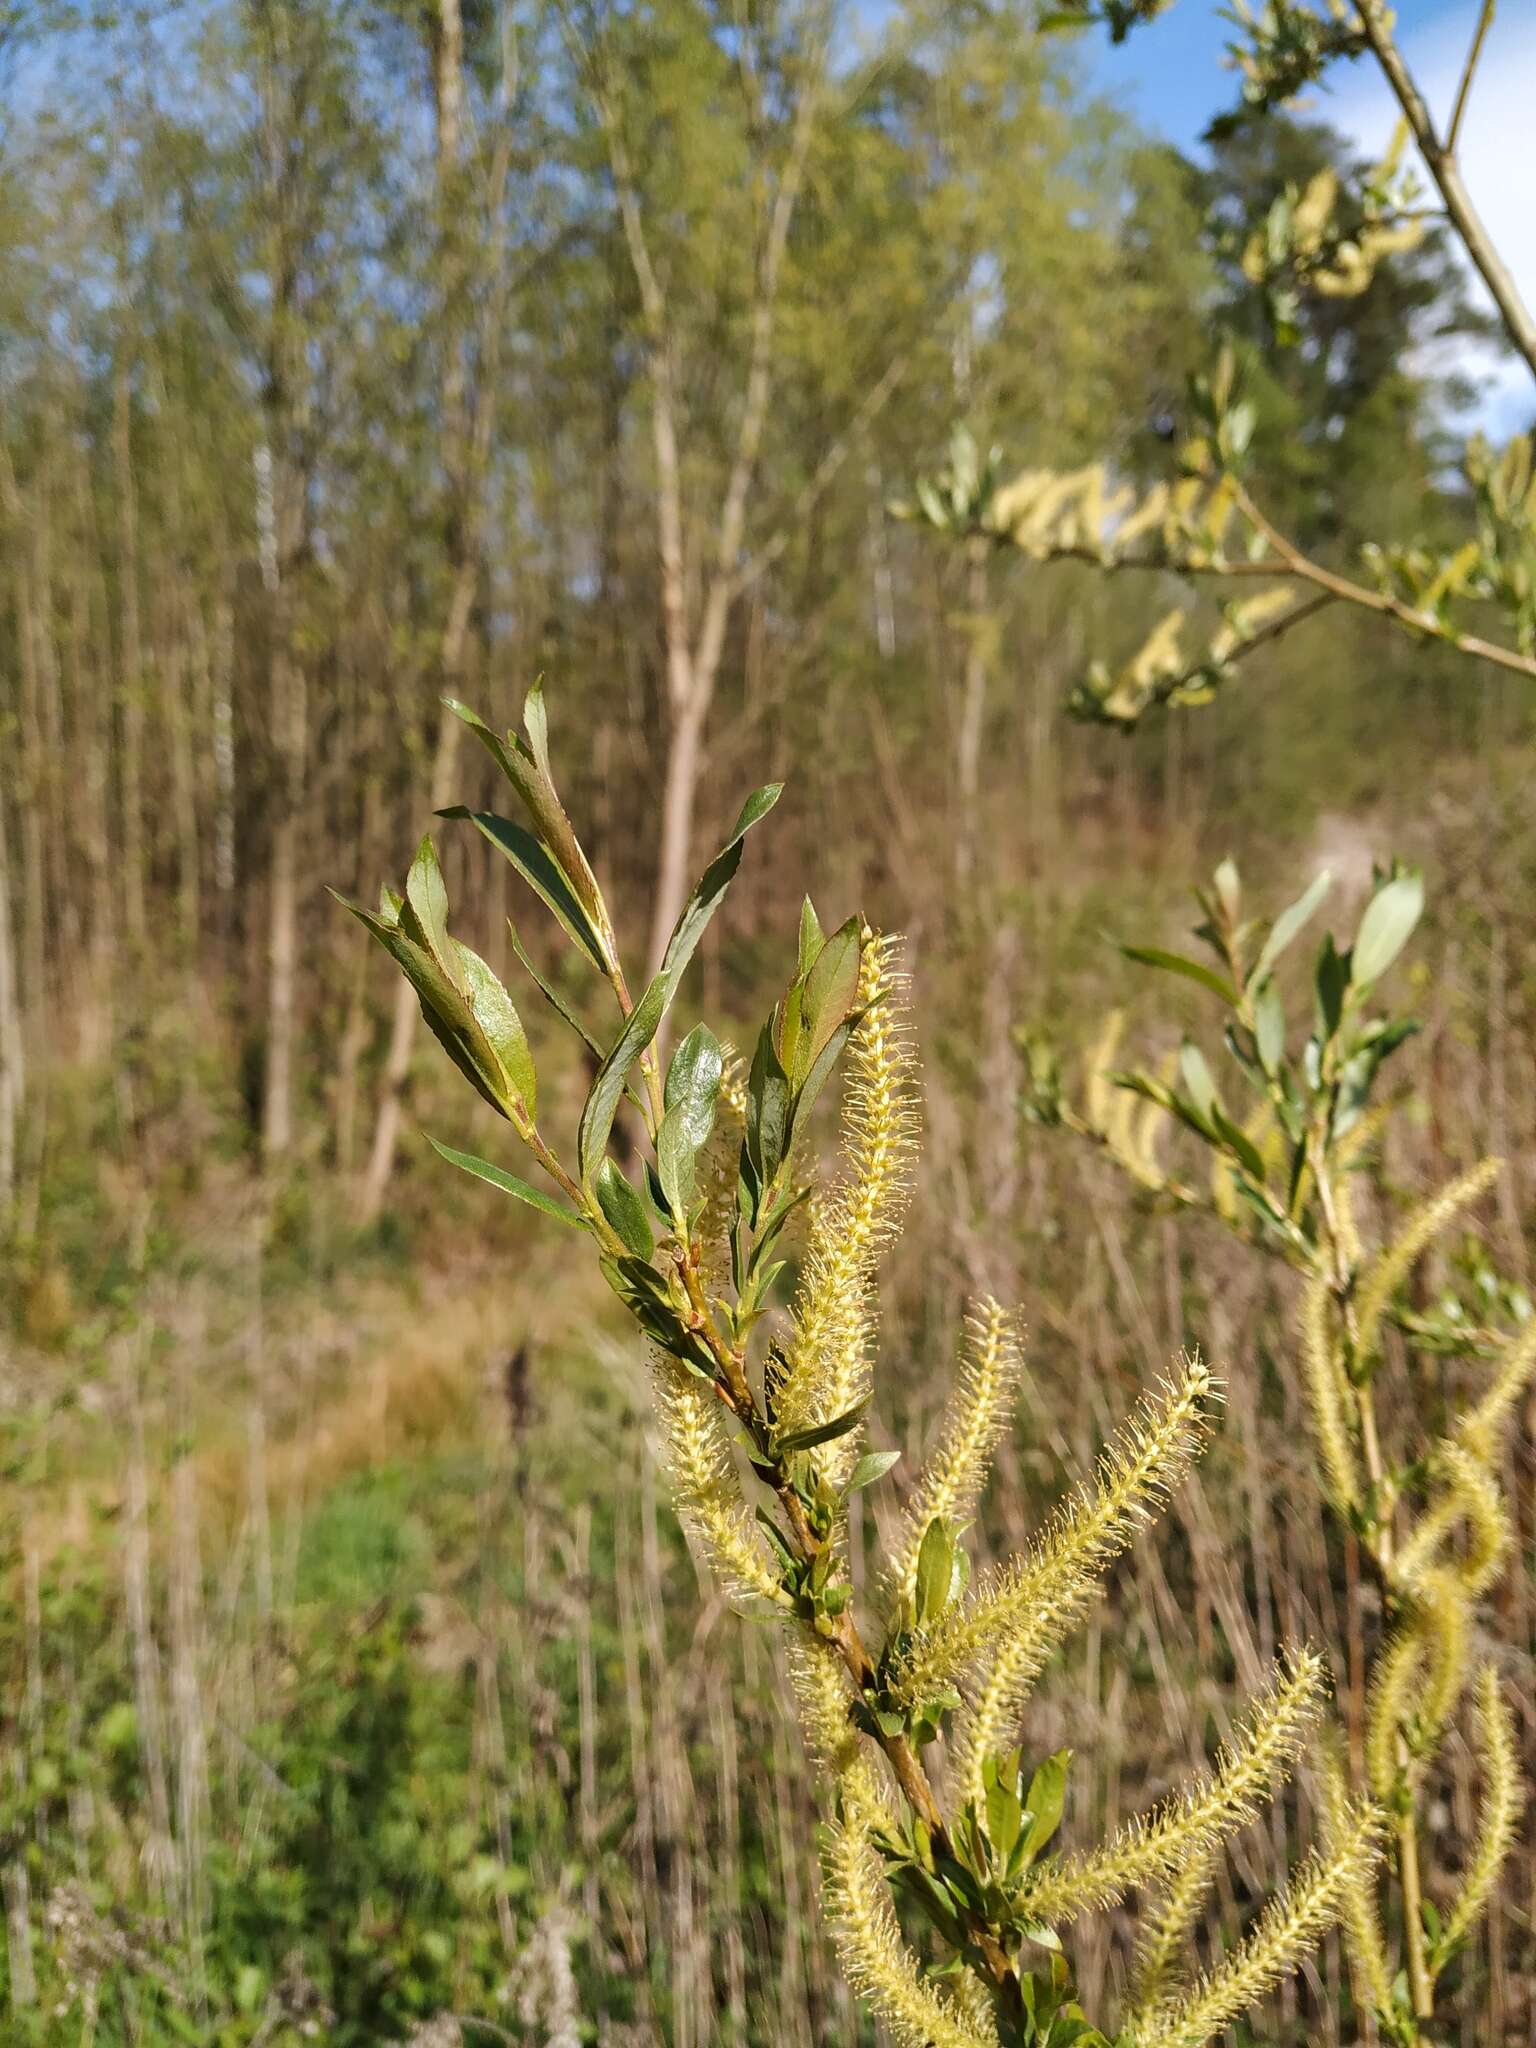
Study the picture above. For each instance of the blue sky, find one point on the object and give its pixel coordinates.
(1171, 76)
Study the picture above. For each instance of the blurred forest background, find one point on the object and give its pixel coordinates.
(354, 1683)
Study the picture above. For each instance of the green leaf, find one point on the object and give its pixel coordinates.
(624, 1209)
(811, 938)
(499, 1021)
(935, 1571)
(1197, 1078)
(1237, 1140)
(428, 898)
(552, 995)
(508, 1183)
(820, 1073)
(538, 793)
(822, 1432)
(1331, 981)
(1389, 919)
(872, 1466)
(1191, 970)
(693, 1079)
(767, 1111)
(828, 997)
(711, 887)
(1288, 924)
(1269, 1028)
(1046, 1798)
(1005, 1817)
(543, 874)
(607, 1090)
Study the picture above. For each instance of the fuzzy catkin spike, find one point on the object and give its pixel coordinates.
(1396, 1261)
(706, 1489)
(1361, 1921)
(1390, 1704)
(1165, 1932)
(826, 1369)
(1481, 1429)
(1019, 1614)
(1291, 1925)
(1469, 1497)
(876, 1961)
(719, 1169)
(975, 1415)
(1498, 1812)
(1328, 1394)
(1155, 1848)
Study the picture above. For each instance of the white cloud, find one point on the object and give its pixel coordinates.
(1498, 148)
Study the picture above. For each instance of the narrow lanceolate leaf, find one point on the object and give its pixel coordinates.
(822, 1432)
(543, 874)
(500, 1024)
(624, 1209)
(445, 1007)
(602, 1103)
(1287, 925)
(516, 761)
(1191, 970)
(711, 887)
(509, 1184)
(428, 898)
(1389, 919)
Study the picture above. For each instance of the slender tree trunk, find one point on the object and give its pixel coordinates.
(130, 662)
(13, 1070)
(973, 708)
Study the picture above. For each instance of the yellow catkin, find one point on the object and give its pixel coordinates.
(1445, 1619)
(1481, 1429)
(1328, 1394)
(1361, 1921)
(1294, 1922)
(975, 1415)
(1498, 1811)
(1154, 1848)
(1165, 1932)
(706, 1489)
(1392, 1702)
(876, 1961)
(1396, 1261)
(1019, 1614)
(719, 1170)
(1103, 1101)
(1468, 1498)
(826, 1367)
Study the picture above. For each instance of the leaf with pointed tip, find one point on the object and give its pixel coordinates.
(500, 1024)
(607, 1089)
(872, 1466)
(623, 1209)
(1386, 927)
(1176, 963)
(428, 898)
(508, 1183)
(1288, 924)
(712, 885)
(543, 874)
(935, 1571)
(822, 1432)
(538, 793)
